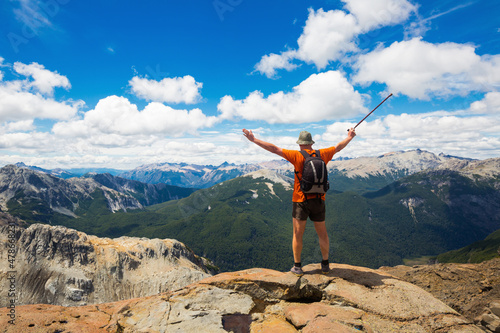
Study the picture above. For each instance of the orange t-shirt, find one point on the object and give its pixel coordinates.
(296, 158)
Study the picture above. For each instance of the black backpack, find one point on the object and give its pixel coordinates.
(314, 174)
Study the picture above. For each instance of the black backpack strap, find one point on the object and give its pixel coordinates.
(305, 154)
(318, 153)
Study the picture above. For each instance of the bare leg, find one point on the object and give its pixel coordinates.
(324, 242)
(299, 226)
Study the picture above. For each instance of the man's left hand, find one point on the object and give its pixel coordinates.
(249, 135)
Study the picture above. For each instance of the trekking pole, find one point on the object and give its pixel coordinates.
(372, 111)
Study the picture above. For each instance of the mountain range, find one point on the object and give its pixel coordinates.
(36, 196)
(72, 172)
(380, 209)
(365, 173)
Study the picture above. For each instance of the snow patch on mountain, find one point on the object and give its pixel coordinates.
(272, 176)
(410, 161)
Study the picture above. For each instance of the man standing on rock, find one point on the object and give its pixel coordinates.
(305, 205)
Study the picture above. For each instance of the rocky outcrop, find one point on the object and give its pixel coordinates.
(471, 289)
(348, 299)
(57, 265)
(490, 318)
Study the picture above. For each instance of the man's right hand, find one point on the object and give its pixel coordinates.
(249, 135)
(351, 133)
(266, 145)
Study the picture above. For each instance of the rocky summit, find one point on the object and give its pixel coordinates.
(61, 266)
(348, 299)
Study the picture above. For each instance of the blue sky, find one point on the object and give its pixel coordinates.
(125, 83)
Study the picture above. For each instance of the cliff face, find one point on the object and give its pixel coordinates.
(57, 265)
(348, 299)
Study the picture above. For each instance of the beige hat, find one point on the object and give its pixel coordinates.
(305, 138)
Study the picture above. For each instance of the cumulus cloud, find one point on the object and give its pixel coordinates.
(18, 126)
(33, 97)
(421, 70)
(169, 90)
(114, 132)
(375, 14)
(34, 141)
(18, 104)
(490, 104)
(322, 96)
(44, 80)
(325, 37)
(269, 64)
(436, 132)
(116, 117)
(328, 36)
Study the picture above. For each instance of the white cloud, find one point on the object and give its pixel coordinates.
(322, 96)
(475, 136)
(18, 126)
(270, 63)
(44, 80)
(490, 104)
(18, 104)
(328, 36)
(115, 117)
(421, 70)
(169, 90)
(486, 73)
(372, 14)
(33, 141)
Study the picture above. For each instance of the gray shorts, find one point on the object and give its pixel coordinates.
(312, 208)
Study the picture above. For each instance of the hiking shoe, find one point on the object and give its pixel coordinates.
(325, 269)
(297, 271)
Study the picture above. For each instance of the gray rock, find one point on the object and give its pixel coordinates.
(495, 308)
(57, 265)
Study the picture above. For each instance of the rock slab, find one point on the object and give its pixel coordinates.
(348, 299)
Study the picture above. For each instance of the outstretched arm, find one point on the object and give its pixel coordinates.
(342, 144)
(263, 144)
